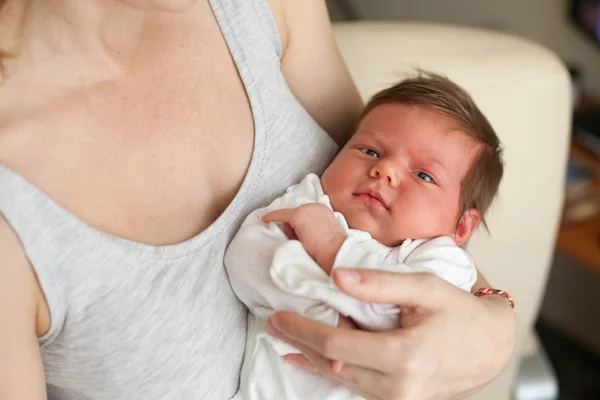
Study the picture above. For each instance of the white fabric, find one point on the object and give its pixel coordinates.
(269, 273)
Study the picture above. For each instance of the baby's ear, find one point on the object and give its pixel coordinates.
(466, 226)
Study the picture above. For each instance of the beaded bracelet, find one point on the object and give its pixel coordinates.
(505, 295)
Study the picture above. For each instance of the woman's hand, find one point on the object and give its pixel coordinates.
(451, 344)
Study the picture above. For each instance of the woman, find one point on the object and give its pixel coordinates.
(134, 137)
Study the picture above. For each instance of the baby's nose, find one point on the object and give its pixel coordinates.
(386, 170)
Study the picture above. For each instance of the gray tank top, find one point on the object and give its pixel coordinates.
(134, 321)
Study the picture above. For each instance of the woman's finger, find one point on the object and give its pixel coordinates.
(345, 345)
(344, 323)
(363, 381)
(336, 366)
(300, 360)
(403, 289)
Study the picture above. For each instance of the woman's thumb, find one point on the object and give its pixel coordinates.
(399, 288)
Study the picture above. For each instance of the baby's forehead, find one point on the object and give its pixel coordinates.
(451, 132)
(401, 113)
(401, 124)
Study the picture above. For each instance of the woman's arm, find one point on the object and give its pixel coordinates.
(313, 67)
(21, 371)
(481, 282)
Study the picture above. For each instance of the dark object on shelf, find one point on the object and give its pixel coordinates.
(586, 15)
(582, 197)
(586, 130)
(576, 83)
(578, 172)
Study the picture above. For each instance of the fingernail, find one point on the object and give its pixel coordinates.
(270, 329)
(275, 321)
(293, 362)
(349, 277)
(337, 366)
(305, 365)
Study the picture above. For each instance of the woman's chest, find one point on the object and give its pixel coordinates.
(147, 160)
(156, 157)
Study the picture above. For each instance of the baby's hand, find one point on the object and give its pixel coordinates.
(315, 226)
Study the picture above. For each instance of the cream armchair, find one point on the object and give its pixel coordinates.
(524, 90)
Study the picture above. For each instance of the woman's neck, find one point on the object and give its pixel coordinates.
(101, 39)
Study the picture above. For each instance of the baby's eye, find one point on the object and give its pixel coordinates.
(369, 152)
(425, 177)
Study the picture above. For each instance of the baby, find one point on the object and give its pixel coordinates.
(404, 194)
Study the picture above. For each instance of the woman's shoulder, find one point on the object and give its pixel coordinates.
(23, 115)
(278, 9)
(313, 67)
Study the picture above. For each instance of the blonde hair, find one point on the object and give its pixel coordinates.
(3, 53)
(480, 185)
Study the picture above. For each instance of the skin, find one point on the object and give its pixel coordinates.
(398, 177)
(142, 175)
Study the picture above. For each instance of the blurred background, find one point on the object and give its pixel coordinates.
(566, 362)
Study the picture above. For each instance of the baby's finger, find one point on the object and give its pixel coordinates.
(283, 215)
(289, 231)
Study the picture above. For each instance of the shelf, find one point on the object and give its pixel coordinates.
(581, 241)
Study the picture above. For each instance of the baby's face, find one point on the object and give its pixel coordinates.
(400, 175)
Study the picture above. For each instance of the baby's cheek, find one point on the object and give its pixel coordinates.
(358, 219)
(409, 225)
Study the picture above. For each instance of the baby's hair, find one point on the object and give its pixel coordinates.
(433, 91)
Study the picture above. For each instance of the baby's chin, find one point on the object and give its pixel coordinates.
(364, 221)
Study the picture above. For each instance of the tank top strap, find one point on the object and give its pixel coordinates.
(249, 29)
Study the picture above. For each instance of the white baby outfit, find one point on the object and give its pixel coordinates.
(269, 273)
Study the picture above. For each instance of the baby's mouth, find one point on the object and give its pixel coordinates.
(371, 197)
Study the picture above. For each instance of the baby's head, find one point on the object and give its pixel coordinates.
(424, 162)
